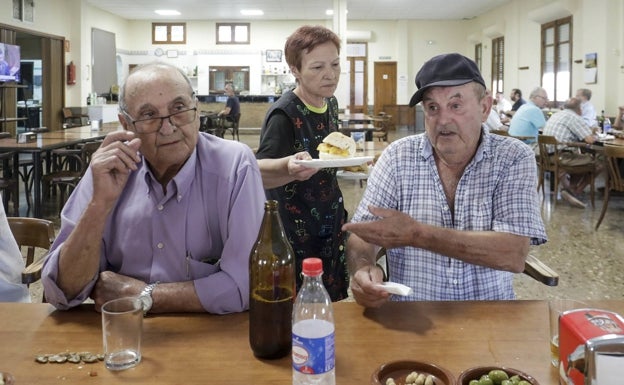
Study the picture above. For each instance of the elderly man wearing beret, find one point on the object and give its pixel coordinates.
(455, 207)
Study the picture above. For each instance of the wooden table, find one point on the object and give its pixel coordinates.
(46, 142)
(203, 348)
(355, 118)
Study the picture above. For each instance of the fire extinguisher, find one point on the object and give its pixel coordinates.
(71, 73)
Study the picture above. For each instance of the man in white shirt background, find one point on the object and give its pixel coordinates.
(11, 265)
(588, 112)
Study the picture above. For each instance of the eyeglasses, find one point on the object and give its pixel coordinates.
(151, 125)
(543, 97)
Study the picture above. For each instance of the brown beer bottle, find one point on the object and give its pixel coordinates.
(271, 288)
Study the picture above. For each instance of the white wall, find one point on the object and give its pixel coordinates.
(597, 27)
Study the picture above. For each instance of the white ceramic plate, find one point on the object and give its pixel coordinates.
(605, 137)
(346, 162)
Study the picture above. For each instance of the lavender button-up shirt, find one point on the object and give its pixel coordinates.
(202, 230)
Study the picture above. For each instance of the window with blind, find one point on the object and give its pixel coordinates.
(478, 55)
(498, 64)
(557, 59)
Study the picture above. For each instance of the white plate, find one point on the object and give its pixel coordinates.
(342, 174)
(346, 162)
(604, 137)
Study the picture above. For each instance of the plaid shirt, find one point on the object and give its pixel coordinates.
(567, 126)
(496, 193)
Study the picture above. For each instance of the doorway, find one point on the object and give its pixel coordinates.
(385, 87)
(358, 84)
(46, 53)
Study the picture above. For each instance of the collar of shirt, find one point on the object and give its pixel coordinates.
(180, 184)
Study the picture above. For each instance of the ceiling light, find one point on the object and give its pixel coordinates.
(167, 12)
(252, 12)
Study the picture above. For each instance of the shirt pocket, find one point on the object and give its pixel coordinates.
(480, 216)
(200, 269)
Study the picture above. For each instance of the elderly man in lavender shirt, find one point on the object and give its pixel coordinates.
(164, 212)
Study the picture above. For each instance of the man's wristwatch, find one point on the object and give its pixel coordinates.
(146, 297)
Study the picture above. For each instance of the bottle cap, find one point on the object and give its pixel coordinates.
(312, 267)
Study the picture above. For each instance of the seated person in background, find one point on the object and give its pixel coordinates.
(529, 118)
(493, 121)
(516, 97)
(232, 108)
(11, 265)
(502, 106)
(588, 112)
(619, 120)
(456, 208)
(164, 212)
(567, 126)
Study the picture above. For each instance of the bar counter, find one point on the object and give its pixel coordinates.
(203, 348)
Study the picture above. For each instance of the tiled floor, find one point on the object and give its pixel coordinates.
(590, 263)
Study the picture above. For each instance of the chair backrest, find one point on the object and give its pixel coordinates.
(549, 152)
(32, 234)
(613, 156)
(533, 268)
(500, 132)
(87, 152)
(67, 113)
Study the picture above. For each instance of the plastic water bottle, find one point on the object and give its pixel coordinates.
(606, 127)
(313, 356)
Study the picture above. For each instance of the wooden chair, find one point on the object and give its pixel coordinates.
(382, 125)
(32, 234)
(231, 124)
(500, 132)
(614, 179)
(9, 184)
(69, 169)
(549, 154)
(73, 118)
(533, 267)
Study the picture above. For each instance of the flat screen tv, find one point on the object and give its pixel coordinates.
(9, 63)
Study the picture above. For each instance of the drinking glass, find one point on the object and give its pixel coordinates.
(122, 326)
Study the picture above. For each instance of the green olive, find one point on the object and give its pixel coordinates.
(524, 382)
(506, 382)
(485, 380)
(473, 382)
(498, 376)
(515, 379)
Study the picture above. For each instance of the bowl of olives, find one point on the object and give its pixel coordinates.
(409, 372)
(495, 375)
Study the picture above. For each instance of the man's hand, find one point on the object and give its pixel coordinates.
(112, 163)
(364, 289)
(393, 229)
(112, 286)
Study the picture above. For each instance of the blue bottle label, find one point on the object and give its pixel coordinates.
(313, 355)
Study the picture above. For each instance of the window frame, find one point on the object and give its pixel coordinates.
(498, 65)
(169, 27)
(232, 39)
(553, 91)
(478, 56)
